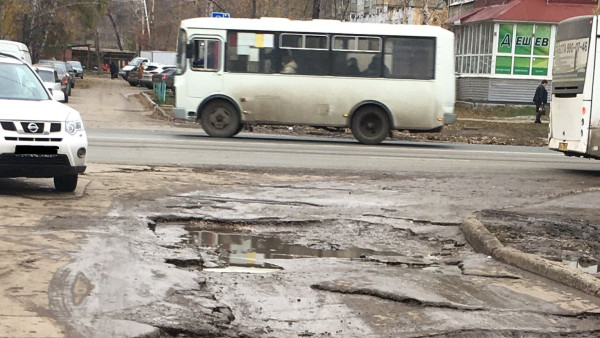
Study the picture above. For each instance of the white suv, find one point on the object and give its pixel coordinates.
(39, 136)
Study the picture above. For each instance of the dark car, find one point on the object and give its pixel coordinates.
(167, 76)
(78, 68)
(72, 73)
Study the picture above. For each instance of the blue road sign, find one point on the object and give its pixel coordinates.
(220, 15)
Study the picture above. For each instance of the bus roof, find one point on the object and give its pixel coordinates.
(313, 26)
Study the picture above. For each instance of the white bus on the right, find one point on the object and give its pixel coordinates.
(575, 115)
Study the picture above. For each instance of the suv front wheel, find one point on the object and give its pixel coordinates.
(66, 183)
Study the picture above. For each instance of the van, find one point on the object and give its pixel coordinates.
(17, 49)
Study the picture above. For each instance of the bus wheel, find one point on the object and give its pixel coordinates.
(370, 125)
(220, 119)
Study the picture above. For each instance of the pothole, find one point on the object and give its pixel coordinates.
(237, 250)
(229, 247)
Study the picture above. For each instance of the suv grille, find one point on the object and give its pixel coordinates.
(33, 130)
(32, 127)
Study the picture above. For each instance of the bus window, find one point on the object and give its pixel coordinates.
(206, 54)
(249, 52)
(352, 56)
(410, 58)
(309, 52)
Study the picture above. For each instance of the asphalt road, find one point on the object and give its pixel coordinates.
(194, 148)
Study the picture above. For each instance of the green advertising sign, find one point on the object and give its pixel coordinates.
(503, 64)
(540, 66)
(541, 41)
(526, 44)
(505, 33)
(523, 39)
(521, 66)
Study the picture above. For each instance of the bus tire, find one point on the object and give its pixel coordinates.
(370, 125)
(220, 119)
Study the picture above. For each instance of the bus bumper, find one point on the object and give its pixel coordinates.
(182, 114)
(449, 118)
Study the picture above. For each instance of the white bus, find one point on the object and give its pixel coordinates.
(371, 78)
(575, 119)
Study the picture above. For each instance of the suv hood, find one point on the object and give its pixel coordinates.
(45, 110)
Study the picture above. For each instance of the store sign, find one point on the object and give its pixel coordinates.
(519, 45)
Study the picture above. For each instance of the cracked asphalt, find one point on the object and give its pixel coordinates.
(117, 259)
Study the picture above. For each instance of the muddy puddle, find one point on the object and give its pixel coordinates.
(239, 252)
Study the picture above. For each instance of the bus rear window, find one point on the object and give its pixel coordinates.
(571, 54)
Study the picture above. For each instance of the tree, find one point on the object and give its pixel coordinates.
(316, 9)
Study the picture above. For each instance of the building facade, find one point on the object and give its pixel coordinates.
(504, 48)
(416, 12)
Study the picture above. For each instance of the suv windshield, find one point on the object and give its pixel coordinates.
(18, 82)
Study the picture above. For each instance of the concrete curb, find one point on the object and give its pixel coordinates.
(485, 242)
(157, 108)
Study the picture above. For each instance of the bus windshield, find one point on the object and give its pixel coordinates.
(571, 54)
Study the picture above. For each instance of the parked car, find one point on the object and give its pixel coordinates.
(72, 73)
(78, 68)
(17, 49)
(50, 78)
(132, 77)
(153, 69)
(41, 137)
(124, 72)
(62, 71)
(167, 76)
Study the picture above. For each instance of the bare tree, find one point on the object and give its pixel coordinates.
(114, 24)
(316, 11)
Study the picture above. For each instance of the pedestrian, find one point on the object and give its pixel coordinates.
(540, 99)
(289, 66)
(141, 72)
(114, 70)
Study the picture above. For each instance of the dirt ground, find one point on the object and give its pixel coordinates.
(475, 125)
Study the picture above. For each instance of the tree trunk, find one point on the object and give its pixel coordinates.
(47, 28)
(253, 15)
(316, 9)
(114, 24)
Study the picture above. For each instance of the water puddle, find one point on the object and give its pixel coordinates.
(589, 267)
(240, 251)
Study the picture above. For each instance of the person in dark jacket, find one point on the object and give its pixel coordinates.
(540, 99)
(114, 70)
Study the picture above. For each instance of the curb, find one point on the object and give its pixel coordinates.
(157, 108)
(485, 242)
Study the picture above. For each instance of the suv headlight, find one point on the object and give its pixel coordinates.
(73, 124)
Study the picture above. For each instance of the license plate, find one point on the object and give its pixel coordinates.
(562, 146)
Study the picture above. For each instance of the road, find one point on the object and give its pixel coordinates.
(194, 148)
(175, 233)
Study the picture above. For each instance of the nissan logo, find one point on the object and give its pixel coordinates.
(33, 127)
